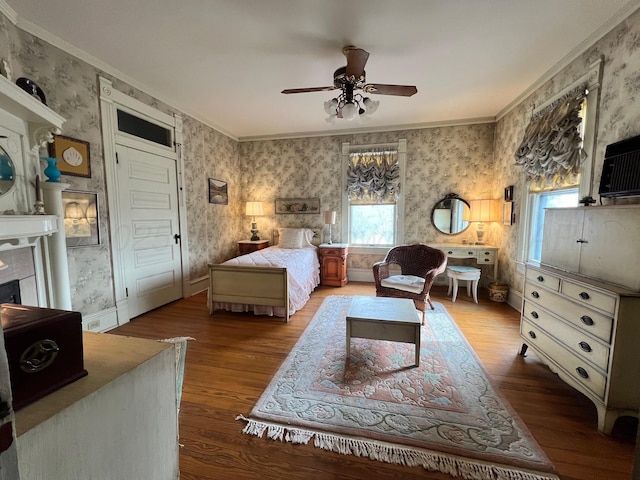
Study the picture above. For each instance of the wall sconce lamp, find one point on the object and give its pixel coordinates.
(254, 209)
(482, 211)
(330, 219)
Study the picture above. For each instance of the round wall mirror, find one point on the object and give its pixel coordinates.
(449, 215)
(7, 172)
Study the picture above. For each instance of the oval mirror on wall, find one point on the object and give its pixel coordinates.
(7, 172)
(449, 215)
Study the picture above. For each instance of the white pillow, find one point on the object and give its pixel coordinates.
(290, 237)
(307, 237)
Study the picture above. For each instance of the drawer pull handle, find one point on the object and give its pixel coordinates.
(487, 260)
(584, 295)
(582, 372)
(540, 278)
(469, 253)
(535, 294)
(587, 320)
(449, 252)
(534, 314)
(532, 334)
(487, 253)
(585, 346)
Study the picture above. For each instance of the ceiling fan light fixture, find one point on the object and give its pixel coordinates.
(349, 111)
(331, 106)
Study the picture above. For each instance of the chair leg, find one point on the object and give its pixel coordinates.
(449, 289)
(430, 304)
(475, 291)
(424, 314)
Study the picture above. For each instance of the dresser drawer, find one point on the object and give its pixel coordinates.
(575, 339)
(545, 279)
(460, 252)
(582, 317)
(575, 366)
(486, 256)
(589, 296)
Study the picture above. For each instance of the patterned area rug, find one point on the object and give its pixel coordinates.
(444, 415)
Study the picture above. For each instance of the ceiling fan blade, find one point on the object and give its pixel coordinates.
(382, 89)
(304, 90)
(356, 60)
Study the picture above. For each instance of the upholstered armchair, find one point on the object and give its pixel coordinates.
(419, 265)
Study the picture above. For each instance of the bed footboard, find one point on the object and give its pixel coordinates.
(249, 285)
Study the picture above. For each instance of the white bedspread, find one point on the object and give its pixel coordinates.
(303, 272)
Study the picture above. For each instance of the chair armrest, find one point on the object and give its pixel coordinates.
(380, 271)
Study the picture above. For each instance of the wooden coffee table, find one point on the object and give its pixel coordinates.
(381, 318)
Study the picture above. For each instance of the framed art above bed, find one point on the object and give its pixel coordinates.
(297, 205)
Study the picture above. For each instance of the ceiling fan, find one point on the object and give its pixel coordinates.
(349, 79)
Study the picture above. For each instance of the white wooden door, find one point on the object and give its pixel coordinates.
(149, 229)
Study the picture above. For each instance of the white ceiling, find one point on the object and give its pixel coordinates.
(225, 62)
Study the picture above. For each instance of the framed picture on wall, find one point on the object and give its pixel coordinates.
(297, 205)
(81, 222)
(218, 192)
(507, 213)
(72, 154)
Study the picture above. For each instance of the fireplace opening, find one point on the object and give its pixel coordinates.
(10, 292)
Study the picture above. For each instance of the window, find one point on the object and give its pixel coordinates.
(539, 201)
(373, 206)
(567, 190)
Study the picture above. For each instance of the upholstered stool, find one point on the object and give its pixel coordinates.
(470, 274)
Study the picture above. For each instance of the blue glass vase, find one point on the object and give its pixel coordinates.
(51, 170)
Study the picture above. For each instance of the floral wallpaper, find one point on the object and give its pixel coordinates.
(619, 118)
(439, 161)
(474, 161)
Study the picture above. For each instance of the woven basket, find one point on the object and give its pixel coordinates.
(498, 292)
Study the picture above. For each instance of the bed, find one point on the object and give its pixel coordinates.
(274, 281)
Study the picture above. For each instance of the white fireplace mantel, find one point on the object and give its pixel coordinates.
(24, 230)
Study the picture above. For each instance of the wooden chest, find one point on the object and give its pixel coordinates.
(44, 350)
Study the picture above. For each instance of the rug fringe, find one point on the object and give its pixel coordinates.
(432, 461)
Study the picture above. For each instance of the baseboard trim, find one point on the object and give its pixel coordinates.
(100, 321)
(514, 299)
(192, 287)
(360, 275)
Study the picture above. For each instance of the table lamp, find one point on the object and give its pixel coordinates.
(481, 211)
(329, 219)
(254, 209)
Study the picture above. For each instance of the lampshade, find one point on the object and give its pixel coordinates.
(329, 218)
(254, 209)
(73, 210)
(485, 210)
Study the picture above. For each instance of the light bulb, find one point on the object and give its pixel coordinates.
(349, 111)
(330, 106)
(371, 105)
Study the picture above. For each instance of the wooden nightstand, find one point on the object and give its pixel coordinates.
(248, 246)
(333, 264)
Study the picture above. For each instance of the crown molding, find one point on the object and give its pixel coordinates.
(583, 46)
(8, 12)
(383, 128)
(65, 46)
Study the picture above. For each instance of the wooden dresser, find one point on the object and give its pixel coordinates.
(586, 329)
(248, 246)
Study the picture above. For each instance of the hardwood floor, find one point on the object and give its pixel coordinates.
(235, 355)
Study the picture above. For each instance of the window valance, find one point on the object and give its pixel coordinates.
(551, 151)
(373, 176)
